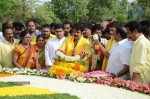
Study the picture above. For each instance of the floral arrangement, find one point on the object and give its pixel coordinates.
(61, 69)
(108, 80)
(25, 71)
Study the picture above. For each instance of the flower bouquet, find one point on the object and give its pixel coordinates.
(64, 65)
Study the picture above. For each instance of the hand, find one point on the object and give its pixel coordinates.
(93, 68)
(114, 75)
(83, 53)
(38, 67)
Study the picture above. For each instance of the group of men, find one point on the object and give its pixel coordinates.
(124, 50)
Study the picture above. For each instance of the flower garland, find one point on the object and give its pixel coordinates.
(25, 71)
(60, 69)
(107, 80)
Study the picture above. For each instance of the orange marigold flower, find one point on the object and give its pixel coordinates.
(55, 63)
(4, 75)
(59, 73)
(77, 66)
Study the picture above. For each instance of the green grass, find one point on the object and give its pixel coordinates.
(46, 96)
(8, 84)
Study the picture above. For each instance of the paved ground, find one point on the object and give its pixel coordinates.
(82, 90)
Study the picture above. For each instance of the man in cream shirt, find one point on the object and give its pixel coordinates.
(6, 47)
(53, 45)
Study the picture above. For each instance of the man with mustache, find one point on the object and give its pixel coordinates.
(6, 47)
(46, 32)
(77, 44)
(140, 54)
(30, 25)
(67, 28)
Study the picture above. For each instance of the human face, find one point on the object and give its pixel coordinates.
(108, 36)
(26, 39)
(67, 28)
(87, 32)
(77, 34)
(31, 27)
(52, 30)
(130, 35)
(46, 32)
(103, 26)
(8, 34)
(59, 33)
(98, 32)
(40, 42)
(112, 30)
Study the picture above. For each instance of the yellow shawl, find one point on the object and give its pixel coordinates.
(68, 46)
(108, 47)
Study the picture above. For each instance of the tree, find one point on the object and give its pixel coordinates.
(70, 10)
(100, 10)
(43, 14)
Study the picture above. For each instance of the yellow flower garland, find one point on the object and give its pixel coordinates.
(23, 90)
(65, 68)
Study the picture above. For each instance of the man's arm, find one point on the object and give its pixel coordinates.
(124, 70)
(135, 76)
(104, 51)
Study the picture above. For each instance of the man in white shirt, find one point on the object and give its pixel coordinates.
(1, 36)
(53, 45)
(119, 55)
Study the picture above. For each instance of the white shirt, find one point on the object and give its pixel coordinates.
(1, 36)
(51, 47)
(119, 56)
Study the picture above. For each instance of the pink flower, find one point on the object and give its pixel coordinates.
(115, 80)
(98, 81)
(88, 77)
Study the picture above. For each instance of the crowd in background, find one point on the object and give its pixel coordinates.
(123, 50)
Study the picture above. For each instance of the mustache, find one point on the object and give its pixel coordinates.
(75, 35)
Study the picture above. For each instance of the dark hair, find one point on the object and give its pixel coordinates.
(4, 24)
(29, 21)
(6, 27)
(88, 25)
(23, 33)
(132, 25)
(95, 27)
(58, 26)
(39, 36)
(67, 22)
(122, 33)
(52, 25)
(115, 24)
(18, 26)
(145, 23)
(106, 30)
(79, 26)
(38, 28)
(45, 26)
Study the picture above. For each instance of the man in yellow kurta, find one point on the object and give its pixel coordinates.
(140, 55)
(46, 34)
(6, 47)
(75, 44)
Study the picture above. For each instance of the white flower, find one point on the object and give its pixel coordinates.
(58, 53)
(95, 37)
(1, 70)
